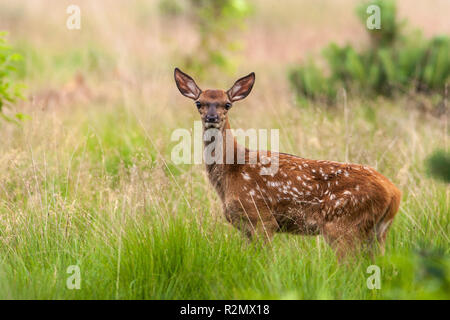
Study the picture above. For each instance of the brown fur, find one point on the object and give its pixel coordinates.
(349, 204)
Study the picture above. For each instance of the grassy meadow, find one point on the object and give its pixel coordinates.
(86, 178)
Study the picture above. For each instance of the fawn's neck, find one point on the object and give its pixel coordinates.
(217, 171)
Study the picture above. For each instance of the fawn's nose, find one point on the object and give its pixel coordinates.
(212, 118)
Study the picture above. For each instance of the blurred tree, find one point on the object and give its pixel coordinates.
(217, 24)
(390, 29)
(170, 7)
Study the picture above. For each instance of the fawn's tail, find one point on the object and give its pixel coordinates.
(385, 222)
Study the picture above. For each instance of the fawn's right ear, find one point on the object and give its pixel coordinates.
(186, 85)
(241, 88)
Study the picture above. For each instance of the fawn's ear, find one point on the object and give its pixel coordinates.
(241, 88)
(186, 85)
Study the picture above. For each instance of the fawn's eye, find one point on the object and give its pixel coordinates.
(227, 105)
(198, 104)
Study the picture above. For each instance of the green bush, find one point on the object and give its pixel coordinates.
(438, 165)
(10, 90)
(395, 62)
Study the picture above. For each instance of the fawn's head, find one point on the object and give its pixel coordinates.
(213, 105)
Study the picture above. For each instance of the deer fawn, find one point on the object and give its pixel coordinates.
(349, 204)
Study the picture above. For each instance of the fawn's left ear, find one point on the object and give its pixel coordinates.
(241, 88)
(186, 85)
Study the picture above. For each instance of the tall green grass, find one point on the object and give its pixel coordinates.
(173, 257)
(137, 231)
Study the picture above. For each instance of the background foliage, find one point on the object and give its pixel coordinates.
(218, 24)
(397, 61)
(10, 89)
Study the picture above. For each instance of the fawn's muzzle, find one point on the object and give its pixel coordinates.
(212, 118)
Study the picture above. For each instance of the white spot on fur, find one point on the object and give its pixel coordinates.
(245, 175)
